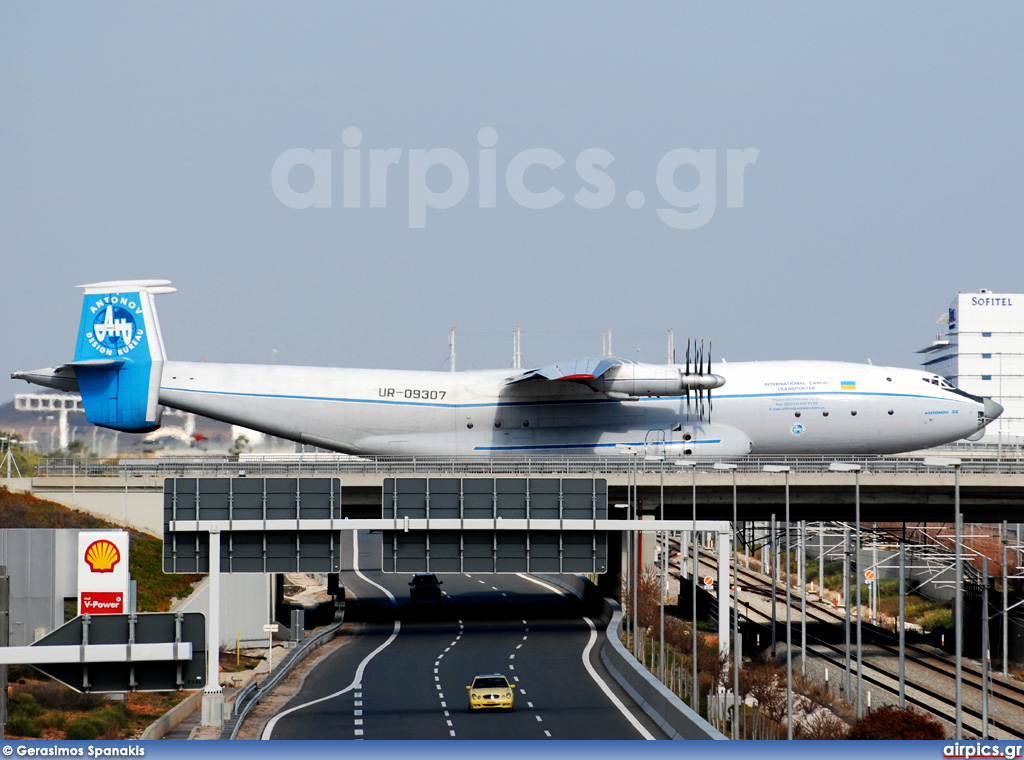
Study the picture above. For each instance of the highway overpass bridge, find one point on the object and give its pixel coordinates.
(891, 489)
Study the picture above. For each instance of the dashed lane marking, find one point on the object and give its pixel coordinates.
(357, 682)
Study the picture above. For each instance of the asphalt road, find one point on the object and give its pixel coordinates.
(404, 674)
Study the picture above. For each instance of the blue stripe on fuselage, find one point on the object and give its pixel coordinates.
(525, 447)
(551, 402)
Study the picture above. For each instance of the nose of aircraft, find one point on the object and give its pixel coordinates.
(992, 409)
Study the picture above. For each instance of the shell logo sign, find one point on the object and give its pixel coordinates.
(102, 556)
(103, 580)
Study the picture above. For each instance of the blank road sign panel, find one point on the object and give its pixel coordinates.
(486, 550)
(243, 501)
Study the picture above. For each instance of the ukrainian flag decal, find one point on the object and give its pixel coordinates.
(848, 385)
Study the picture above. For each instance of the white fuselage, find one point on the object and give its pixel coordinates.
(774, 407)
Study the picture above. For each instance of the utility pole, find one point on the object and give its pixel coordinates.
(5, 640)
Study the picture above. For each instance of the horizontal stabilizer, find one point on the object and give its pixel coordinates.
(58, 378)
(154, 287)
(98, 364)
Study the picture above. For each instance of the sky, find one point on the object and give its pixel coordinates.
(341, 184)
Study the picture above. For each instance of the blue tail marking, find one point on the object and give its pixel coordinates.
(119, 355)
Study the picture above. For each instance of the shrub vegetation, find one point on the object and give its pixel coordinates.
(47, 709)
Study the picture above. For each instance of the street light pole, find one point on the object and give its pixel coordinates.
(664, 575)
(958, 601)
(903, 626)
(1006, 617)
(664, 572)
(773, 565)
(625, 572)
(637, 561)
(789, 608)
(984, 648)
(801, 556)
(847, 687)
(857, 577)
(958, 619)
(854, 468)
(735, 605)
(695, 696)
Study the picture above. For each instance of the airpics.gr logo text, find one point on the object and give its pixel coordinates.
(115, 331)
(534, 178)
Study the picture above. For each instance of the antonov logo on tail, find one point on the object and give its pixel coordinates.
(115, 332)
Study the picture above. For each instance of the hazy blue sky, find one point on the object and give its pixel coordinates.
(139, 140)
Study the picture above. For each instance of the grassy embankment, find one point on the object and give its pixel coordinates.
(41, 708)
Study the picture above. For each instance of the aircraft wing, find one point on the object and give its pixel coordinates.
(573, 370)
(623, 379)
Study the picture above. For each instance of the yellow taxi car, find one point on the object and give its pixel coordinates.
(490, 692)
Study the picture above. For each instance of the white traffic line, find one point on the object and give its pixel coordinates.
(604, 687)
(437, 680)
(268, 731)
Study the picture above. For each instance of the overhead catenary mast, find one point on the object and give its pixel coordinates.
(606, 342)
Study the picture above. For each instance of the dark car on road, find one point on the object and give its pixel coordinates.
(425, 587)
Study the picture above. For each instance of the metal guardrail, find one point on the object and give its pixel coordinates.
(251, 693)
(215, 466)
(673, 715)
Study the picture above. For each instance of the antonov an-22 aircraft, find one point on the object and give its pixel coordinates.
(587, 406)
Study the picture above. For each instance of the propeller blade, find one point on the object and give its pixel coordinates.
(700, 371)
(687, 375)
(711, 404)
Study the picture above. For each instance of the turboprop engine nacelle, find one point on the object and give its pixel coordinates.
(627, 381)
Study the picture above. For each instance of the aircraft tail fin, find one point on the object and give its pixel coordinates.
(120, 354)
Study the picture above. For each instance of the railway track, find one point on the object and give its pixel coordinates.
(929, 675)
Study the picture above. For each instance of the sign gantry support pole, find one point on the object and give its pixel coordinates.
(213, 694)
